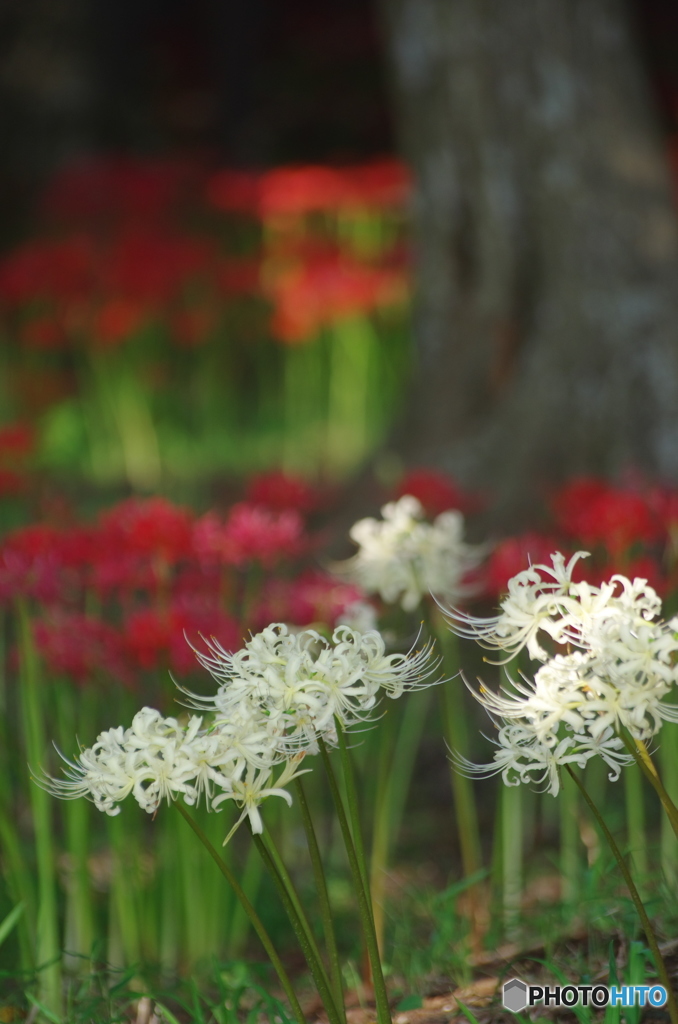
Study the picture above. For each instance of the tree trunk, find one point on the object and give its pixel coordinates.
(545, 244)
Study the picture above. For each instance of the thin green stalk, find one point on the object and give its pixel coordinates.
(123, 845)
(353, 810)
(636, 835)
(395, 777)
(456, 735)
(250, 911)
(251, 880)
(512, 854)
(300, 927)
(638, 903)
(290, 888)
(79, 928)
(168, 912)
(323, 896)
(668, 753)
(48, 951)
(362, 893)
(640, 753)
(569, 841)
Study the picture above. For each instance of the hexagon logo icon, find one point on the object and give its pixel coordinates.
(514, 995)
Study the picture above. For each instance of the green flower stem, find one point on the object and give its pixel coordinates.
(250, 911)
(636, 836)
(123, 839)
(668, 753)
(638, 903)
(323, 896)
(251, 881)
(396, 766)
(640, 753)
(362, 893)
(48, 952)
(286, 879)
(301, 930)
(456, 734)
(569, 841)
(512, 853)
(353, 810)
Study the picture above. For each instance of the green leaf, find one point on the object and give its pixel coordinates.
(9, 922)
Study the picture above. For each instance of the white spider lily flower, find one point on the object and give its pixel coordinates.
(293, 687)
(521, 757)
(250, 787)
(535, 601)
(101, 773)
(403, 558)
(624, 663)
(151, 760)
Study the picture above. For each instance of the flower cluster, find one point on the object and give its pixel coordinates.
(607, 662)
(277, 698)
(403, 558)
(118, 595)
(297, 686)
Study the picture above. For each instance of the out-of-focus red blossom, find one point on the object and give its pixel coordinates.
(436, 491)
(240, 277)
(31, 564)
(82, 648)
(116, 321)
(193, 327)
(312, 597)
(11, 482)
(299, 190)
(149, 527)
(308, 296)
(644, 567)
(120, 188)
(43, 333)
(514, 555)
(593, 513)
(46, 268)
(17, 443)
(251, 533)
(160, 639)
(278, 491)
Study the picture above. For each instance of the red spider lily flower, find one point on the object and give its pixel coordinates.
(194, 618)
(251, 533)
(147, 638)
(278, 491)
(17, 441)
(150, 527)
(49, 269)
(436, 491)
(11, 482)
(593, 512)
(165, 639)
(311, 598)
(235, 192)
(82, 648)
(308, 296)
(117, 320)
(43, 333)
(31, 564)
(514, 555)
(153, 268)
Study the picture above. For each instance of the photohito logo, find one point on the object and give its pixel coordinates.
(518, 995)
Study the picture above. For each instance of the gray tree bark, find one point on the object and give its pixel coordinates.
(546, 248)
